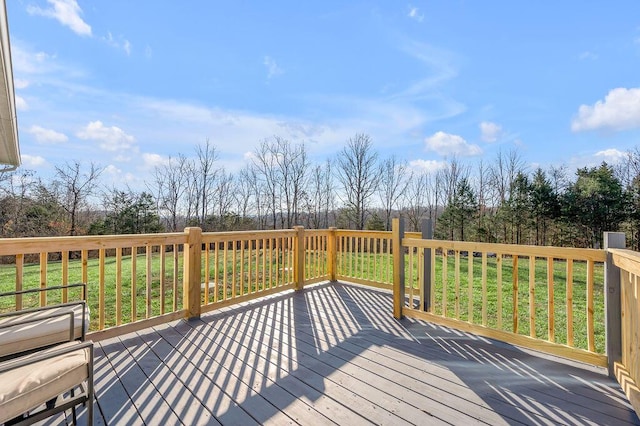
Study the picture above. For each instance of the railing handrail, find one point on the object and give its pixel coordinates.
(30, 245)
(625, 362)
(596, 255)
(247, 235)
(626, 259)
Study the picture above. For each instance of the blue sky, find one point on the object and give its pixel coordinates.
(126, 84)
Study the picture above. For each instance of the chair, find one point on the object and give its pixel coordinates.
(35, 328)
(36, 380)
(43, 355)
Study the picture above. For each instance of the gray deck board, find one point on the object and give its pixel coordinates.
(333, 354)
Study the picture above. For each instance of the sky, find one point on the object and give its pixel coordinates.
(127, 84)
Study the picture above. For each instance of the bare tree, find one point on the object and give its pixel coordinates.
(320, 200)
(292, 170)
(75, 186)
(504, 171)
(416, 198)
(628, 170)
(244, 193)
(503, 175)
(22, 212)
(204, 178)
(283, 168)
(170, 183)
(434, 195)
(265, 167)
(451, 177)
(392, 184)
(485, 202)
(358, 173)
(225, 189)
(191, 192)
(559, 179)
(453, 183)
(259, 194)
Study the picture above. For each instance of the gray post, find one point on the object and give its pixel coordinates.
(398, 267)
(427, 234)
(612, 300)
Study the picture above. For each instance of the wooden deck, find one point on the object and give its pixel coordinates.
(334, 354)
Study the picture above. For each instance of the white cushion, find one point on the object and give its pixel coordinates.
(33, 335)
(25, 388)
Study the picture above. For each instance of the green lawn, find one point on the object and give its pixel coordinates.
(372, 267)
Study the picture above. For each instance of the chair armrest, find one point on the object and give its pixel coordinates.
(46, 354)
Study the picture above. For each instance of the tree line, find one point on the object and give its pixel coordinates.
(500, 201)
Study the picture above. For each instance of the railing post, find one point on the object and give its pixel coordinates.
(427, 234)
(192, 276)
(332, 253)
(612, 300)
(398, 266)
(298, 257)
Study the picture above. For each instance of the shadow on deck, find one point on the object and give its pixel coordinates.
(333, 354)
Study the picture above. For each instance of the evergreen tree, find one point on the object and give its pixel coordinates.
(595, 203)
(459, 214)
(544, 205)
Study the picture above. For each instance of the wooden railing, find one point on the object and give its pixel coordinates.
(240, 266)
(546, 298)
(626, 352)
(543, 297)
(131, 277)
(142, 280)
(364, 257)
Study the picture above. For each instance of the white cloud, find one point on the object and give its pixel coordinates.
(150, 161)
(127, 47)
(414, 14)
(490, 132)
(67, 12)
(587, 55)
(611, 155)
(448, 144)
(27, 61)
(620, 110)
(111, 138)
(21, 104)
(429, 166)
(119, 43)
(438, 61)
(122, 158)
(112, 170)
(119, 178)
(20, 83)
(32, 160)
(43, 135)
(273, 69)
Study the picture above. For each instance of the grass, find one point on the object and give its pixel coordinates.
(31, 279)
(378, 268)
(367, 266)
(266, 271)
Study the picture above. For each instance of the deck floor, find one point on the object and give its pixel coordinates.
(334, 354)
